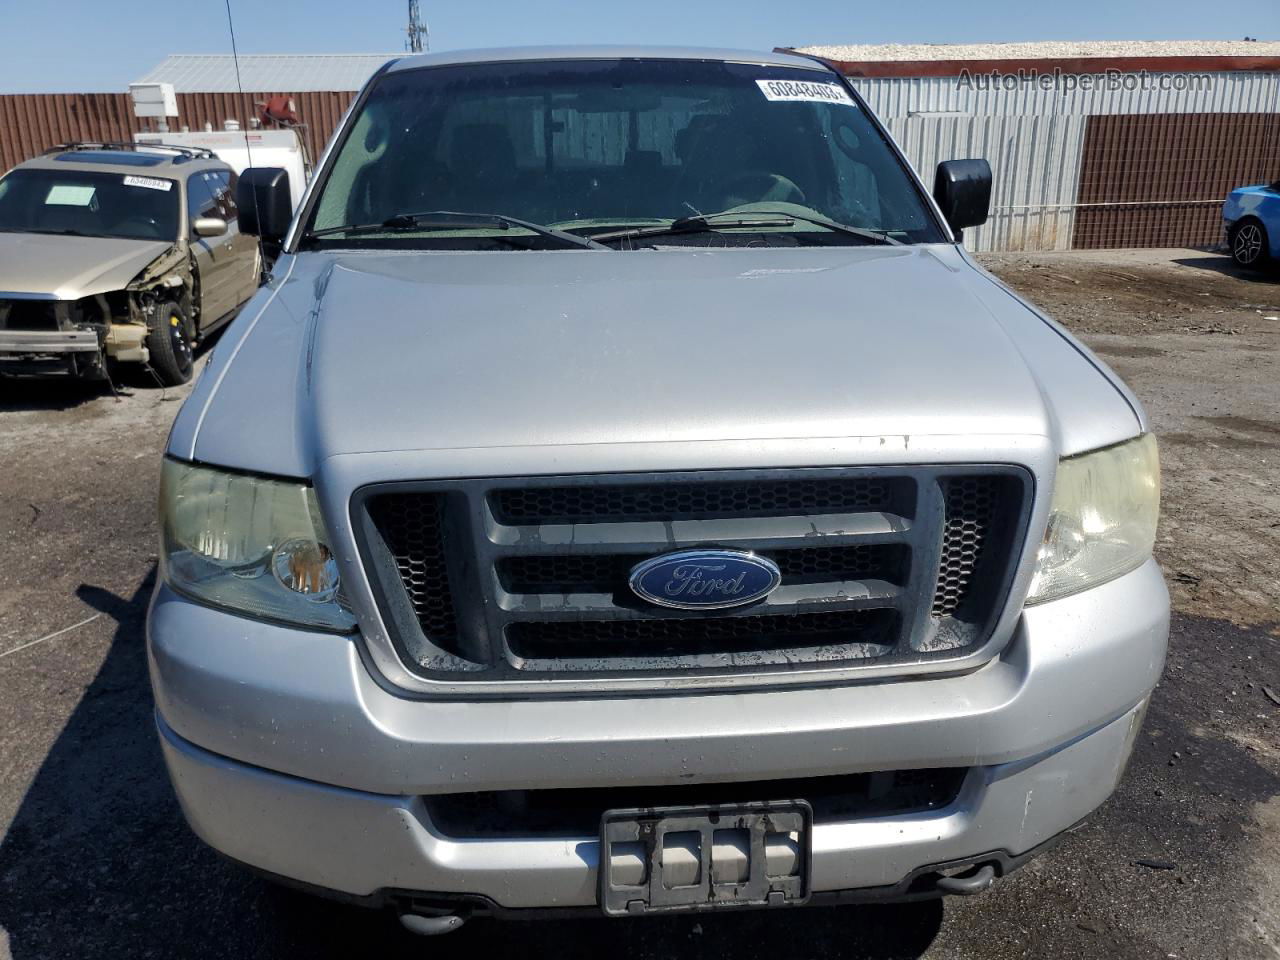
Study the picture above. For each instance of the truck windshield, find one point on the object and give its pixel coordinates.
(90, 204)
(610, 146)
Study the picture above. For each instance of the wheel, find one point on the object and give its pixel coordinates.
(171, 342)
(1249, 244)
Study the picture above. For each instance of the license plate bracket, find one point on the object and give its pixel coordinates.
(672, 859)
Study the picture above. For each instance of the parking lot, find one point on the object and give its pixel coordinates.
(95, 860)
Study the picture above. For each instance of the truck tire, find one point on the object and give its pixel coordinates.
(171, 343)
(1249, 244)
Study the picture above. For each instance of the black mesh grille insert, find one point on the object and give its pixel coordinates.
(970, 508)
(577, 812)
(693, 501)
(596, 573)
(413, 529)
(693, 636)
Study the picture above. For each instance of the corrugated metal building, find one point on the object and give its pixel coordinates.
(1140, 155)
(321, 86)
(296, 72)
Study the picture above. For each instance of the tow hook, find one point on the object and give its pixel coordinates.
(431, 926)
(969, 884)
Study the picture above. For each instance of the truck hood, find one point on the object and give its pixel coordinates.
(369, 353)
(67, 268)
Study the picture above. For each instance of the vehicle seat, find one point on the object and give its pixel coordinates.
(713, 151)
(482, 169)
(650, 185)
(411, 180)
(140, 216)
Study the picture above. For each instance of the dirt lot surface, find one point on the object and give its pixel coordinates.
(95, 860)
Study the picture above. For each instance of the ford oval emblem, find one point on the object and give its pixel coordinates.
(704, 579)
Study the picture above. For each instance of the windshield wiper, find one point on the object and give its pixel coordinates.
(875, 236)
(451, 220)
(702, 222)
(696, 224)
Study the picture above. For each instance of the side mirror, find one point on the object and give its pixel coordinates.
(264, 203)
(209, 226)
(963, 191)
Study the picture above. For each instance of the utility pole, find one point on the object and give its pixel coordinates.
(419, 37)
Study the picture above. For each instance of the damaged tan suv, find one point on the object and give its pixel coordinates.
(111, 251)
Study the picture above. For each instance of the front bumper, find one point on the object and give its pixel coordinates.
(48, 341)
(287, 754)
(77, 353)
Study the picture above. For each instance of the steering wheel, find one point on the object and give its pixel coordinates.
(759, 186)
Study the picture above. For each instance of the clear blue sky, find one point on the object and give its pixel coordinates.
(92, 45)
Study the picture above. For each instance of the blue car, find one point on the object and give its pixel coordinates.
(1251, 217)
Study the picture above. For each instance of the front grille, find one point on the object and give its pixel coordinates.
(970, 504)
(699, 636)
(413, 528)
(653, 501)
(579, 573)
(577, 813)
(505, 580)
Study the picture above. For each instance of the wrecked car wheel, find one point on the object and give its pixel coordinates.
(171, 344)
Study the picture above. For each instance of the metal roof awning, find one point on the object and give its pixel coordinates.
(267, 73)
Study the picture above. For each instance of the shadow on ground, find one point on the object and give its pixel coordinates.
(1227, 267)
(62, 392)
(48, 393)
(98, 863)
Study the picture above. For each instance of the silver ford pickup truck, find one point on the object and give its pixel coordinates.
(627, 495)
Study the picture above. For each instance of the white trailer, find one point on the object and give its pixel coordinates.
(246, 148)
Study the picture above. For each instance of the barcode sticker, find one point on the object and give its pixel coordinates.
(804, 91)
(151, 183)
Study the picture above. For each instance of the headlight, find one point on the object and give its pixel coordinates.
(251, 545)
(1103, 519)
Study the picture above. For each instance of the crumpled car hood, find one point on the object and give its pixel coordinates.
(363, 353)
(67, 268)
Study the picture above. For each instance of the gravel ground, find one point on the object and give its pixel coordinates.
(1044, 50)
(96, 862)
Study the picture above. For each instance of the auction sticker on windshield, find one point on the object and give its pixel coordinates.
(802, 90)
(151, 183)
(69, 195)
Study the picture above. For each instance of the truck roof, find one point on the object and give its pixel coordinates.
(603, 52)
